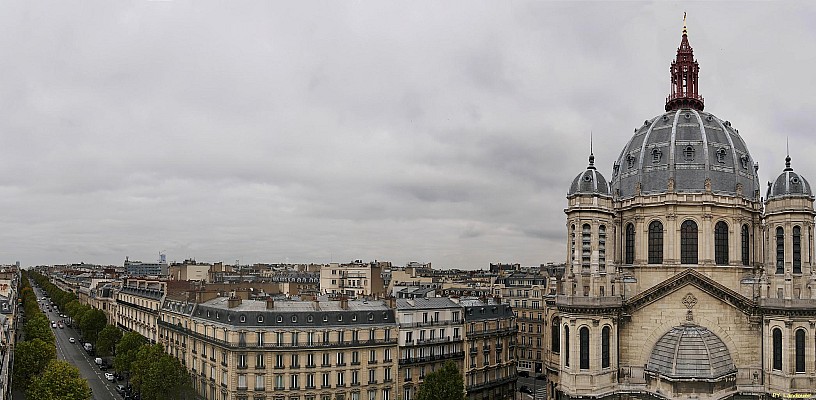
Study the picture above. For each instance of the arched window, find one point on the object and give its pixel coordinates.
(583, 336)
(797, 250)
(777, 349)
(800, 350)
(556, 335)
(586, 247)
(745, 245)
(566, 346)
(602, 248)
(630, 244)
(605, 347)
(721, 243)
(655, 242)
(688, 242)
(780, 250)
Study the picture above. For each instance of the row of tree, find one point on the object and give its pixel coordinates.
(36, 369)
(155, 374)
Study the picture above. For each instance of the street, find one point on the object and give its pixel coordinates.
(76, 355)
(538, 386)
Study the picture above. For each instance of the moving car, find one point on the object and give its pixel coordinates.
(71, 340)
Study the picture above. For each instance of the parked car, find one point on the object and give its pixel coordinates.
(120, 389)
(109, 376)
(525, 389)
(71, 340)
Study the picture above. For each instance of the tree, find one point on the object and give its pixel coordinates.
(92, 323)
(127, 349)
(30, 357)
(159, 376)
(107, 341)
(38, 327)
(443, 384)
(59, 381)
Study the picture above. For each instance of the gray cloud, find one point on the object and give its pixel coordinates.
(304, 131)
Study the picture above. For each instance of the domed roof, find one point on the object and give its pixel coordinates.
(589, 182)
(690, 352)
(691, 149)
(789, 183)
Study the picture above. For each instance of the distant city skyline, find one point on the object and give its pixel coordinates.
(315, 132)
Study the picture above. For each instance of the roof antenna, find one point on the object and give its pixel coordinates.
(787, 158)
(685, 32)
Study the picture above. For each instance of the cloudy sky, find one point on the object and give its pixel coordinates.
(433, 131)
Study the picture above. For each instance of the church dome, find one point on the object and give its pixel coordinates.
(685, 150)
(690, 352)
(691, 148)
(589, 182)
(789, 184)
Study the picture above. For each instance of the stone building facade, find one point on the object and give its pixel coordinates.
(682, 281)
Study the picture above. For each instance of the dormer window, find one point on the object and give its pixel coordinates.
(744, 161)
(721, 155)
(688, 153)
(630, 160)
(242, 318)
(656, 155)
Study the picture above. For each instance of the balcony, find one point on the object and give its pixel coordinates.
(584, 301)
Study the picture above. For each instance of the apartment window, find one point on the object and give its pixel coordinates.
(355, 357)
(259, 382)
(355, 377)
(294, 382)
(387, 355)
(279, 382)
(310, 360)
(372, 395)
(408, 374)
(387, 333)
(224, 380)
(310, 381)
(326, 360)
(341, 379)
(278, 360)
(295, 336)
(295, 361)
(455, 316)
(242, 361)
(341, 359)
(326, 337)
(745, 245)
(279, 337)
(455, 333)
(242, 381)
(372, 334)
(310, 338)
(777, 349)
(688, 242)
(326, 380)
(259, 360)
(387, 375)
(655, 242)
(372, 376)
(372, 356)
(260, 338)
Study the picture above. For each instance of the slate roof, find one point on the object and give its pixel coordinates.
(789, 184)
(689, 146)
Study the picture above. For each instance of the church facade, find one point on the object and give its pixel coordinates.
(684, 278)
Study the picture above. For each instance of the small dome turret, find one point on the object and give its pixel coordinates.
(589, 182)
(789, 184)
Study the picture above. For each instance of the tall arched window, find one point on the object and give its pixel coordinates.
(797, 250)
(602, 248)
(586, 247)
(745, 245)
(688, 242)
(800, 350)
(583, 336)
(566, 346)
(630, 244)
(556, 335)
(655, 242)
(605, 347)
(572, 243)
(780, 250)
(777, 349)
(721, 243)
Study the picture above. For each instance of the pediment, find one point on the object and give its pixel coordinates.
(696, 279)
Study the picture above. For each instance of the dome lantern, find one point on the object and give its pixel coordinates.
(684, 73)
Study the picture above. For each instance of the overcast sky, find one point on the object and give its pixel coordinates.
(316, 131)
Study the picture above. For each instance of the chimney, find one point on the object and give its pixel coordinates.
(270, 304)
(391, 302)
(233, 302)
(344, 303)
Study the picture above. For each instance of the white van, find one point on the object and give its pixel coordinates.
(98, 361)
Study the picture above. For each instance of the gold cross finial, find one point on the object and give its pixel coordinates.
(684, 23)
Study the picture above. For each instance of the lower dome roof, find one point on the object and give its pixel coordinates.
(690, 352)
